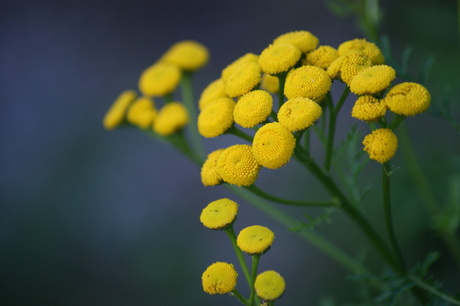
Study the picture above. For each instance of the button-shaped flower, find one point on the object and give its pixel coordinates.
(237, 165)
(159, 79)
(142, 112)
(347, 66)
(215, 90)
(368, 108)
(303, 40)
(408, 99)
(381, 145)
(243, 79)
(230, 68)
(255, 239)
(171, 118)
(216, 117)
(117, 110)
(321, 57)
(219, 214)
(188, 55)
(209, 174)
(253, 108)
(279, 57)
(269, 285)
(372, 80)
(219, 278)
(307, 81)
(368, 48)
(299, 113)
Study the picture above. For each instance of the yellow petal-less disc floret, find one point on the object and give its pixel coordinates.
(142, 112)
(299, 113)
(381, 145)
(307, 81)
(408, 99)
(321, 57)
(216, 117)
(116, 113)
(255, 239)
(279, 57)
(247, 58)
(159, 79)
(368, 108)
(269, 285)
(219, 278)
(215, 89)
(171, 118)
(188, 55)
(219, 214)
(253, 108)
(209, 174)
(270, 83)
(372, 80)
(303, 40)
(347, 66)
(237, 166)
(368, 48)
(273, 145)
(243, 79)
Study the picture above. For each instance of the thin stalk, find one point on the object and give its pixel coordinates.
(386, 190)
(239, 254)
(239, 297)
(281, 80)
(423, 285)
(255, 265)
(239, 133)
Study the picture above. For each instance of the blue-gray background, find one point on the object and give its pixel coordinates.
(90, 217)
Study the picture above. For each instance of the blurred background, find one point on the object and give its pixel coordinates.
(90, 217)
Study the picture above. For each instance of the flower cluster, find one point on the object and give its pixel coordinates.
(256, 240)
(160, 80)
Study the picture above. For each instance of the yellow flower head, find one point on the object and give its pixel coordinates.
(253, 108)
(321, 57)
(299, 113)
(347, 66)
(142, 112)
(269, 285)
(215, 89)
(308, 82)
(303, 40)
(273, 145)
(270, 83)
(188, 55)
(368, 108)
(244, 78)
(279, 57)
(372, 80)
(247, 58)
(117, 110)
(159, 79)
(219, 278)
(255, 239)
(381, 145)
(237, 166)
(171, 118)
(408, 99)
(368, 48)
(216, 117)
(209, 173)
(219, 214)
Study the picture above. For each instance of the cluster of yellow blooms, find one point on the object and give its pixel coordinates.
(221, 277)
(159, 80)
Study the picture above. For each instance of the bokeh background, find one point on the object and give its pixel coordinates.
(90, 217)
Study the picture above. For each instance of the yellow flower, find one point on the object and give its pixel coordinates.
(381, 145)
(216, 117)
(243, 79)
(219, 278)
(321, 57)
(368, 108)
(307, 81)
(159, 79)
(219, 214)
(347, 66)
(270, 82)
(188, 55)
(117, 110)
(303, 40)
(372, 80)
(237, 166)
(255, 239)
(273, 145)
(253, 108)
(269, 285)
(408, 99)
(209, 173)
(171, 118)
(142, 112)
(278, 58)
(247, 58)
(368, 48)
(299, 113)
(214, 90)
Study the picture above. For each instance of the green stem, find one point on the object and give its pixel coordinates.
(255, 264)
(237, 132)
(239, 254)
(386, 190)
(265, 195)
(282, 80)
(239, 297)
(187, 96)
(423, 285)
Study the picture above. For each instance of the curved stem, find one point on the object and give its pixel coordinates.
(255, 264)
(421, 284)
(239, 254)
(282, 80)
(239, 297)
(239, 133)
